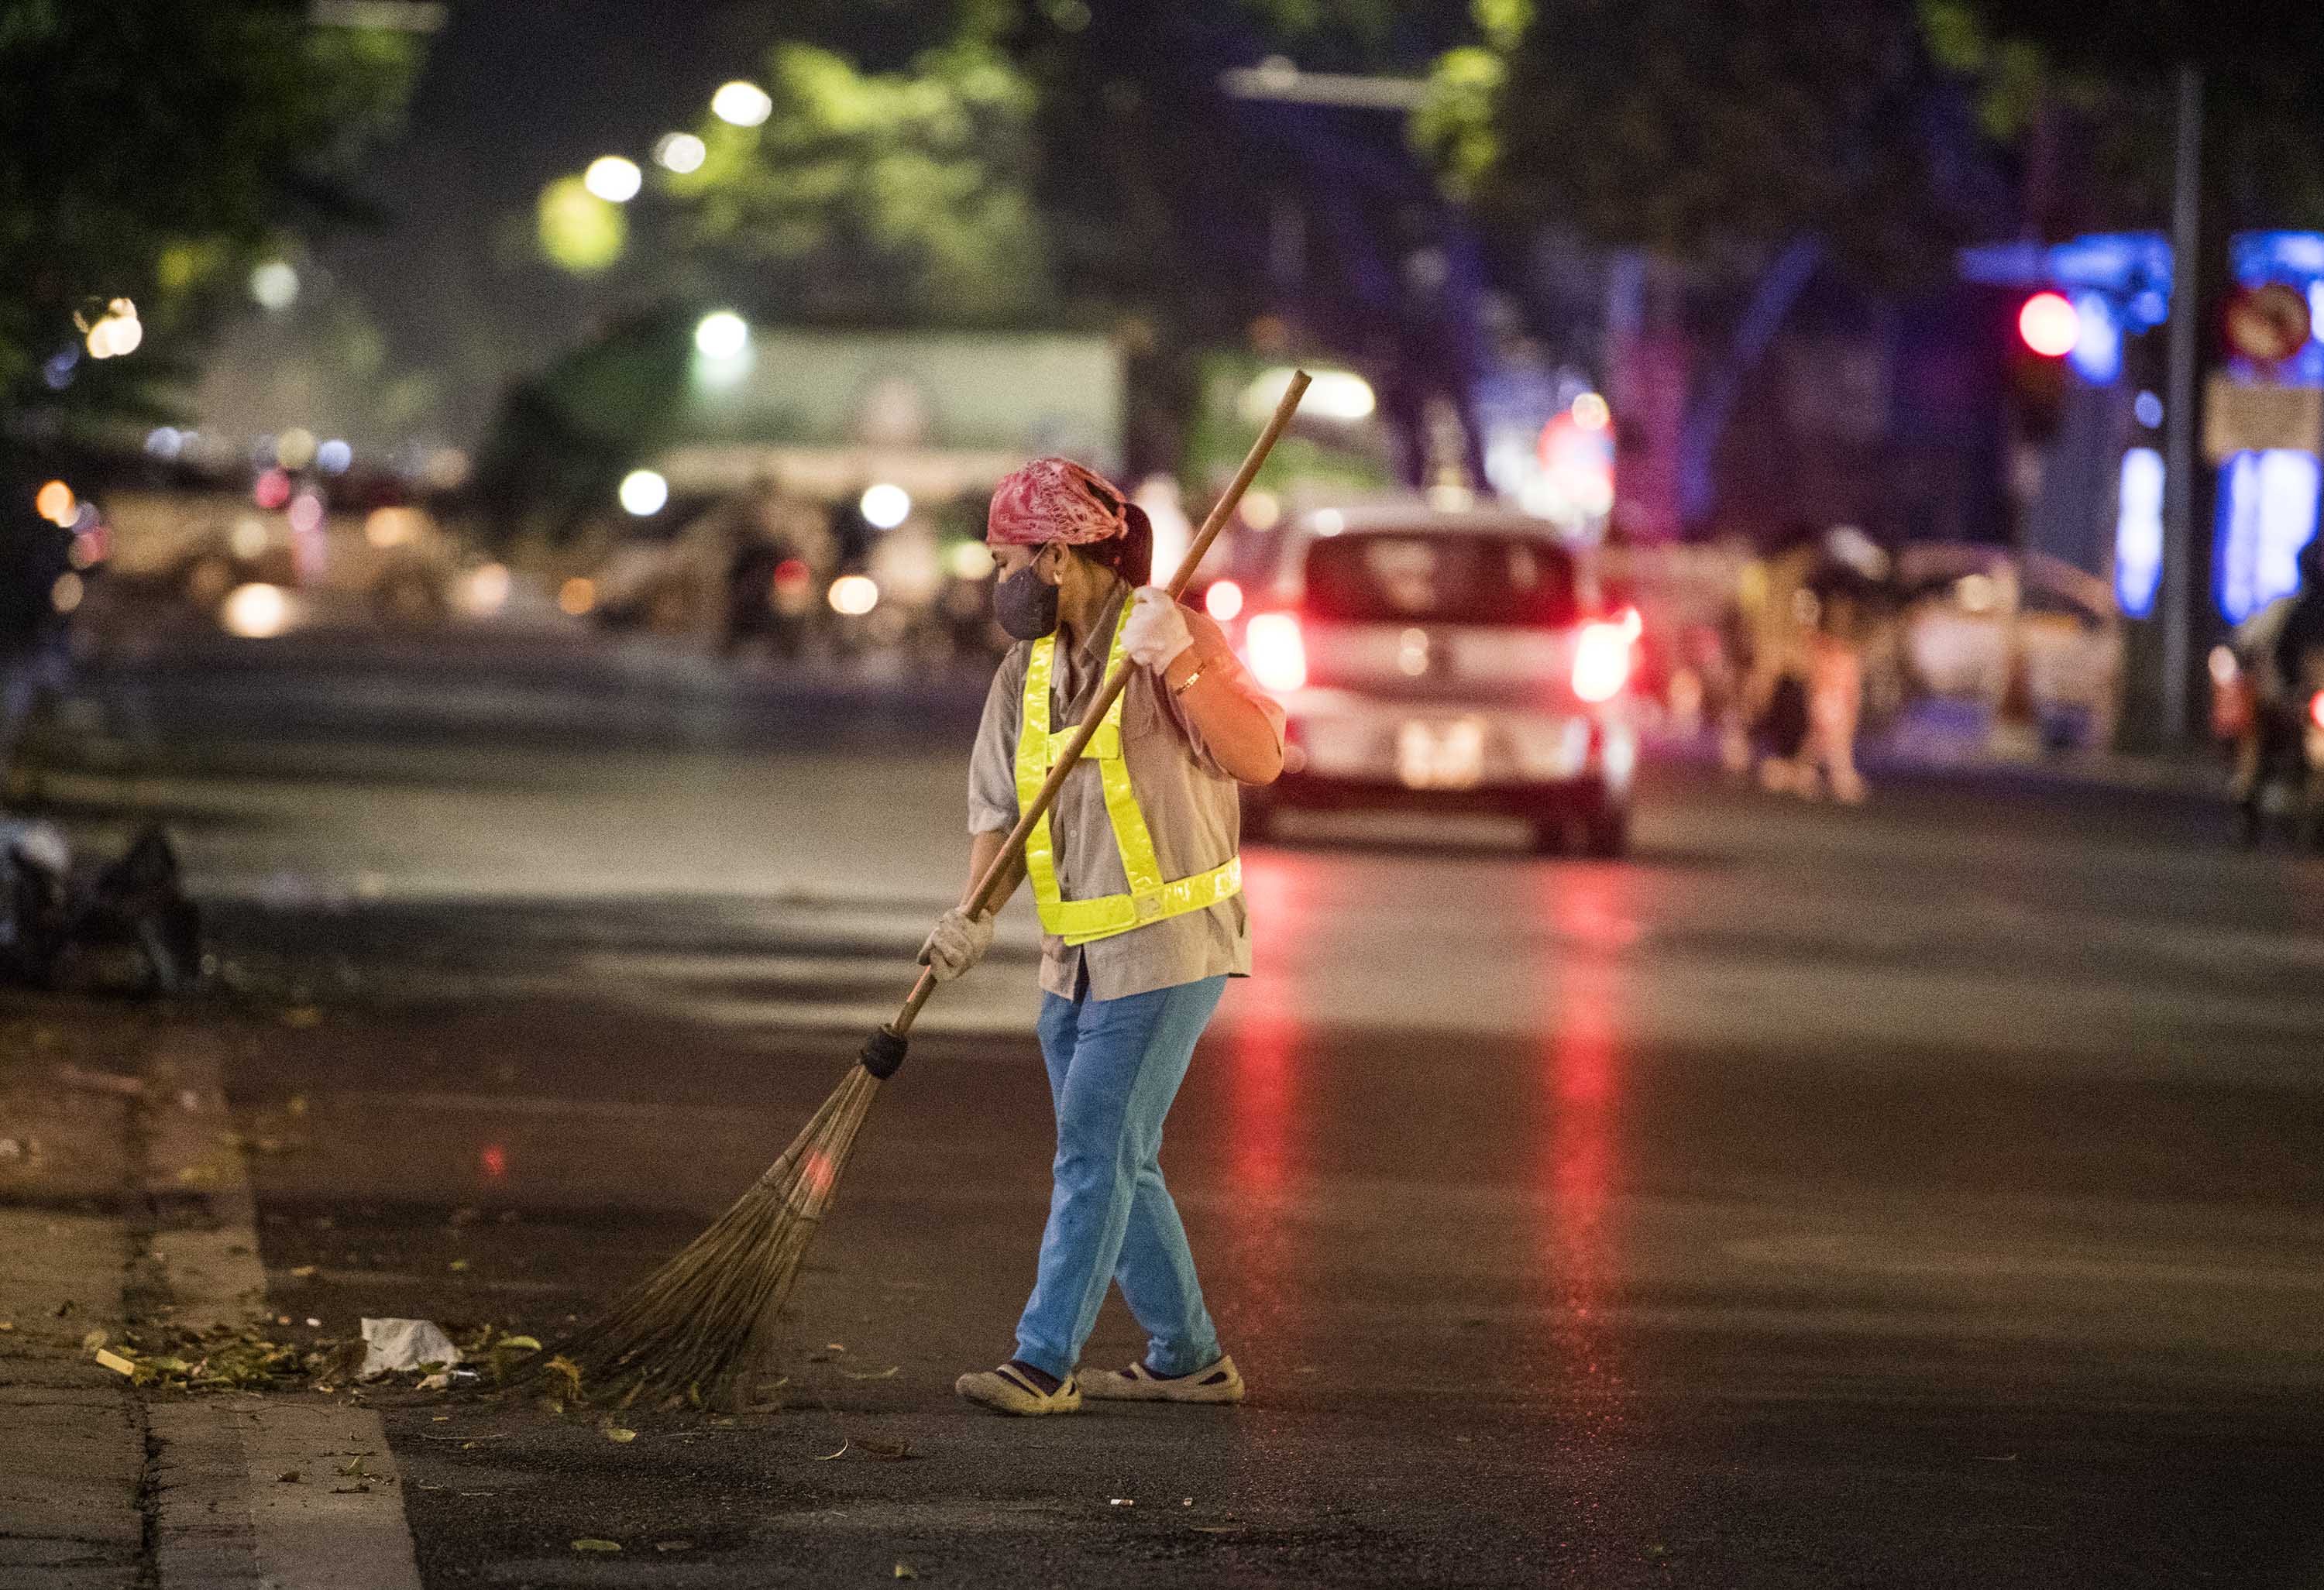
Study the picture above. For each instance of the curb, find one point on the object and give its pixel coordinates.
(101, 1486)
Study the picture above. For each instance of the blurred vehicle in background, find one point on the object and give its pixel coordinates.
(1961, 604)
(195, 550)
(758, 572)
(1442, 659)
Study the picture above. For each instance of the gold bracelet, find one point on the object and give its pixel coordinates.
(1184, 685)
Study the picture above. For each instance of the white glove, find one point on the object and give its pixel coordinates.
(956, 943)
(1156, 631)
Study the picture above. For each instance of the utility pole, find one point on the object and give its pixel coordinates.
(2178, 595)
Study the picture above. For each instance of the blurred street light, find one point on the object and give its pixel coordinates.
(56, 503)
(854, 595)
(117, 333)
(274, 285)
(743, 105)
(1336, 394)
(1276, 77)
(680, 152)
(255, 612)
(722, 334)
(643, 493)
(612, 179)
(294, 449)
(886, 506)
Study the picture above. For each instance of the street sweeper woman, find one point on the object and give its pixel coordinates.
(1137, 884)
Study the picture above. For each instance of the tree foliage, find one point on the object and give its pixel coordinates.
(149, 149)
(2095, 102)
(1712, 132)
(881, 197)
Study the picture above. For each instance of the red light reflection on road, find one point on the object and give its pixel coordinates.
(1261, 1059)
(1577, 1152)
(494, 1161)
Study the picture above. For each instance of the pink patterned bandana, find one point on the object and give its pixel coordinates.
(1054, 500)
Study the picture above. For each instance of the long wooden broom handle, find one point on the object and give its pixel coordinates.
(1000, 876)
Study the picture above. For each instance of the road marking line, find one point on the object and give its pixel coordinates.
(227, 1518)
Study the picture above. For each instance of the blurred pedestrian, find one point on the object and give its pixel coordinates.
(1835, 701)
(1137, 883)
(35, 657)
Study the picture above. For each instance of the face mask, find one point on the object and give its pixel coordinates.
(1025, 604)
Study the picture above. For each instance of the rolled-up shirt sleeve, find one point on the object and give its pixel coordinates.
(1217, 658)
(992, 765)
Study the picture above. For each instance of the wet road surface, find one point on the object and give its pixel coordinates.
(1926, 1195)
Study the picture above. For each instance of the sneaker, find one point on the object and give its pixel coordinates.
(1219, 1382)
(1008, 1390)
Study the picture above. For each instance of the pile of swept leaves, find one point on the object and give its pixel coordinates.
(227, 1359)
(221, 1359)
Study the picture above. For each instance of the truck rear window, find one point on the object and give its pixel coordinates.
(1386, 578)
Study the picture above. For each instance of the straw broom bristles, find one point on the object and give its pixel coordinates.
(702, 1328)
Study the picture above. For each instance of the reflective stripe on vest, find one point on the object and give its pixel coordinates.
(1149, 898)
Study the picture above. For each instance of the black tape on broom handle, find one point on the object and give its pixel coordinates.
(990, 888)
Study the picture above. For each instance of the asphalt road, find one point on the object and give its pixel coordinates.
(1923, 1195)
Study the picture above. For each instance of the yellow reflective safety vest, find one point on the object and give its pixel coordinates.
(1150, 898)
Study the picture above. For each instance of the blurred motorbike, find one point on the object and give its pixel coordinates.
(2279, 740)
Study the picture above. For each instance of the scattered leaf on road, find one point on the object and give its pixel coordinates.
(289, 1476)
(614, 1433)
(115, 1362)
(904, 1570)
(827, 1457)
(457, 1265)
(303, 1271)
(673, 1545)
(591, 1543)
(887, 1373)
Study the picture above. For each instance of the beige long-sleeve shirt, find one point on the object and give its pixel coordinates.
(1192, 809)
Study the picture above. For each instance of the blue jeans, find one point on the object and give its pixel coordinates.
(1114, 1067)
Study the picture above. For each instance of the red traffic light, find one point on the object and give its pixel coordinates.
(2050, 323)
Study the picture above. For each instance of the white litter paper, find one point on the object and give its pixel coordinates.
(390, 1345)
